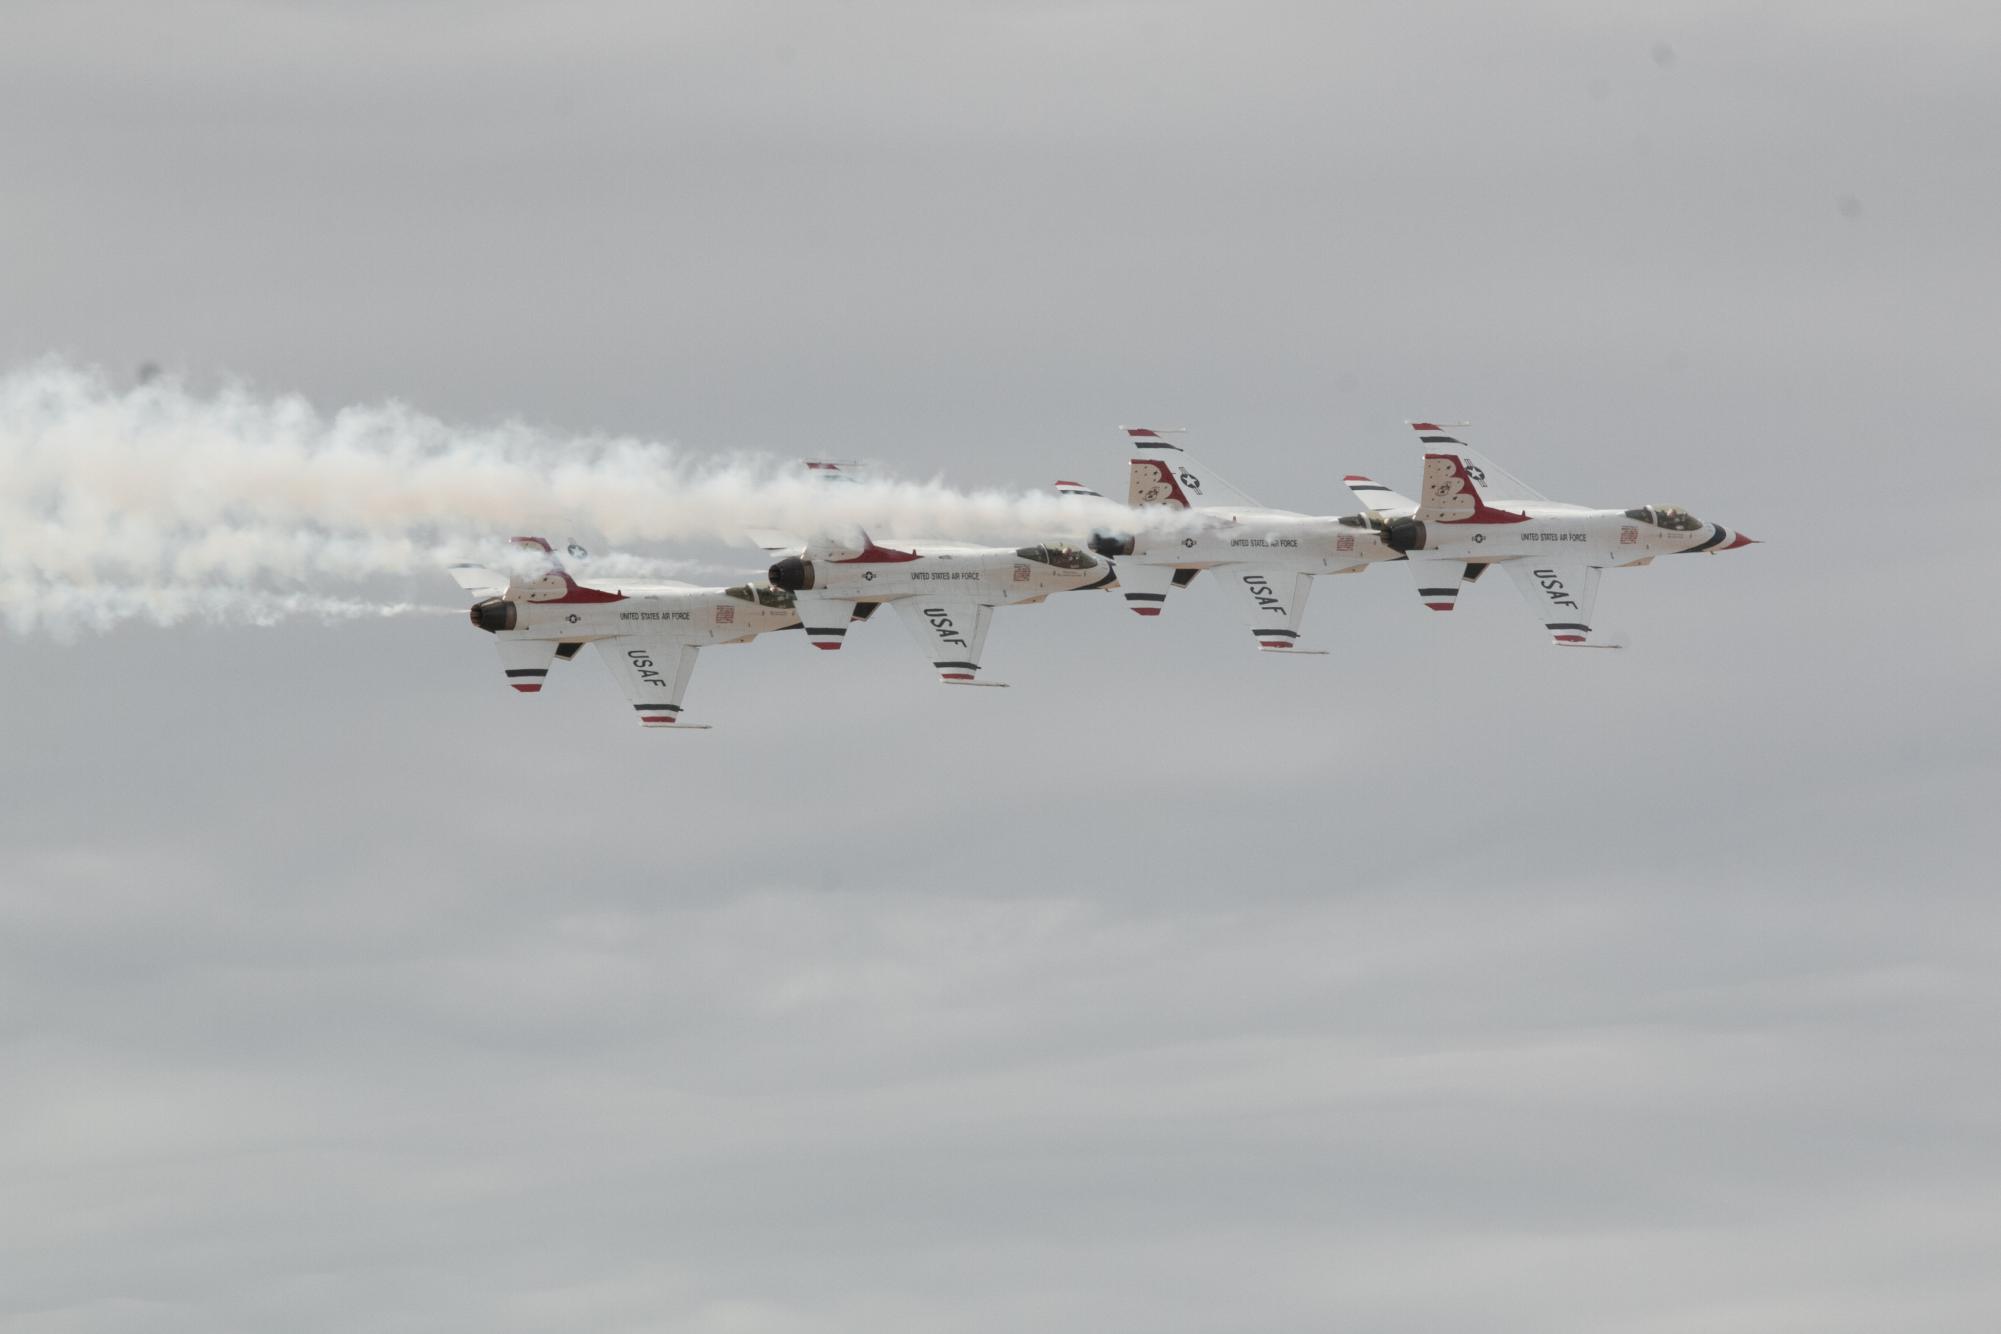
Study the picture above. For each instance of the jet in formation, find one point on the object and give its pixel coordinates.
(945, 592)
(1471, 514)
(647, 633)
(1264, 558)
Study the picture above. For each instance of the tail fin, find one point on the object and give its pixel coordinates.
(552, 583)
(1165, 474)
(1452, 494)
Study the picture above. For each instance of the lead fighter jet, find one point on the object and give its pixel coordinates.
(1472, 514)
(647, 634)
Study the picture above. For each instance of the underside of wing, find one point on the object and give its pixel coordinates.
(653, 672)
(1272, 603)
(951, 633)
(1563, 594)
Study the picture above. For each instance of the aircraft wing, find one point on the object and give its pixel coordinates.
(1562, 594)
(1271, 603)
(1495, 483)
(653, 672)
(952, 632)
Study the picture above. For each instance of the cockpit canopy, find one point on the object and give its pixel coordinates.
(1062, 556)
(1369, 520)
(1672, 517)
(764, 595)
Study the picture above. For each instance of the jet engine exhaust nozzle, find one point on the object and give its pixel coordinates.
(493, 615)
(792, 574)
(1404, 535)
(1113, 544)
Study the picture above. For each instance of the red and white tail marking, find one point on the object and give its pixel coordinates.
(1451, 489)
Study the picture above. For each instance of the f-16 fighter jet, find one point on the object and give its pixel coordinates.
(945, 592)
(1264, 558)
(648, 634)
(1472, 514)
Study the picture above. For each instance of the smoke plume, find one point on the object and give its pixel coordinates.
(221, 504)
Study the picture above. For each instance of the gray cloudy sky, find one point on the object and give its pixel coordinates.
(1444, 983)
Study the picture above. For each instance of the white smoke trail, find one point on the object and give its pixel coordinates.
(158, 485)
(65, 612)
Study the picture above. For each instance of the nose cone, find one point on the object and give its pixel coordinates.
(1740, 541)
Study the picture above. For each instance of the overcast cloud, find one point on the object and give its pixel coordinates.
(1443, 983)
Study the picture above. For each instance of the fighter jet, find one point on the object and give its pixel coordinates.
(944, 592)
(1473, 514)
(647, 634)
(1264, 558)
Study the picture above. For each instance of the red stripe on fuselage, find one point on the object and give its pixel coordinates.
(875, 555)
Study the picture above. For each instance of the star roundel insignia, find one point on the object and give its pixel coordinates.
(1187, 541)
(574, 618)
(577, 551)
(1190, 480)
(1479, 537)
(868, 574)
(1473, 471)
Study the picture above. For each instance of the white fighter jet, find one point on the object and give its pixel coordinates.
(1264, 558)
(648, 634)
(1472, 514)
(944, 592)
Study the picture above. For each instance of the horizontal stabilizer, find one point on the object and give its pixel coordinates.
(1373, 495)
(479, 581)
(1439, 581)
(525, 661)
(1144, 587)
(825, 619)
